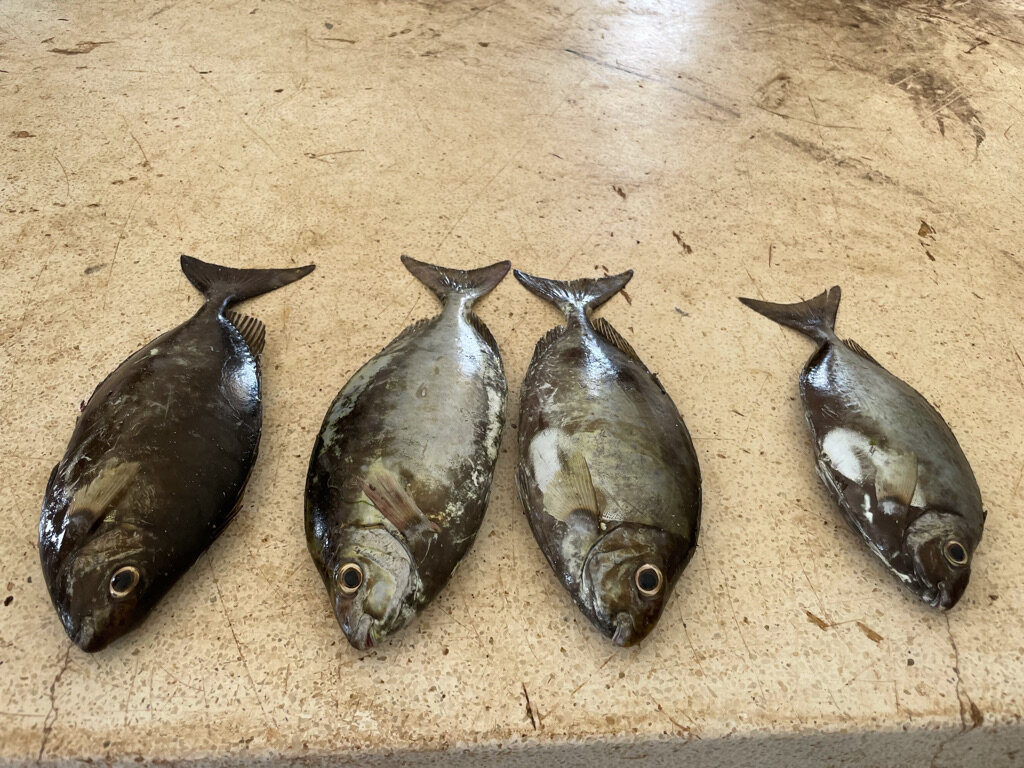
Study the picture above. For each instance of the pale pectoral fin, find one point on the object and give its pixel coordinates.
(384, 490)
(92, 503)
(571, 489)
(896, 477)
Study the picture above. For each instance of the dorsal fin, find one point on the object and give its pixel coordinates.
(609, 334)
(547, 340)
(855, 347)
(409, 331)
(483, 330)
(253, 332)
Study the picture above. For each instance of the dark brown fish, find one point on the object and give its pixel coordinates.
(158, 461)
(607, 472)
(401, 471)
(887, 457)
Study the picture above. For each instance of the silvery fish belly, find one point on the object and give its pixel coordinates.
(887, 458)
(158, 461)
(607, 472)
(401, 471)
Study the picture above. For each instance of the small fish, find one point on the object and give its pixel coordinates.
(158, 461)
(401, 470)
(887, 457)
(607, 472)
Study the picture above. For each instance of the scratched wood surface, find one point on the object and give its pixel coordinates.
(768, 148)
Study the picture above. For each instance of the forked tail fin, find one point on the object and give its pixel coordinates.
(227, 285)
(575, 297)
(469, 284)
(814, 317)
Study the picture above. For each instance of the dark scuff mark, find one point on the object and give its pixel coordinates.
(935, 94)
(51, 717)
(869, 632)
(651, 78)
(926, 230)
(86, 46)
(817, 620)
(679, 239)
(681, 312)
(619, 191)
(22, 135)
(529, 708)
(626, 296)
(94, 269)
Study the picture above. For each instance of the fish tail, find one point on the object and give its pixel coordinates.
(575, 297)
(468, 284)
(227, 285)
(814, 317)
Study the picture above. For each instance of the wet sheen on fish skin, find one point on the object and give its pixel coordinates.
(887, 457)
(607, 472)
(158, 461)
(400, 473)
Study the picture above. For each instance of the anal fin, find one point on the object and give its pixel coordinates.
(252, 331)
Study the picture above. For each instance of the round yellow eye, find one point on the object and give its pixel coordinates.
(956, 553)
(350, 578)
(649, 580)
(124, 581)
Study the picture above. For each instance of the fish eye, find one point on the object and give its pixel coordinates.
(350, 578)
(955, 552)
(649, 580)
(124, 581)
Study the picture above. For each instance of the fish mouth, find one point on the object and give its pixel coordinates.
(83, 633)
(942, 598)
(625, 634)
(363, 636)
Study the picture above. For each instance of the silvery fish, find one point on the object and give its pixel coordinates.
(158, 461)
(887, 457)
(607, 472)
(401, 470)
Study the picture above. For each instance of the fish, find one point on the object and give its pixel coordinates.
(607, 473)
(158, 461)
(400, 473)
(887, 457)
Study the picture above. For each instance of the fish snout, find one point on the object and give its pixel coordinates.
(625, 633)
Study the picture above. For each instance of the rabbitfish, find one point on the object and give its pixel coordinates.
(401, 471)
(887, 458)
(158, 461)
(607, 472)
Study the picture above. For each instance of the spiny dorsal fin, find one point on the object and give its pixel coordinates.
(252, 331)
(855, 347)
(547, 340)
(409, 331)
(896, 477)
(93, 502)
(384, 490)
(612, 336)
(483, 330)
(571, 489)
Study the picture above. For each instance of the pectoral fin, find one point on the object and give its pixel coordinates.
(571, 489)
(92, 503)
(896, 477)
(384, 490)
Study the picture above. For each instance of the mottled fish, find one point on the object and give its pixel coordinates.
(887, 457)
(401, 470)
(157, 462)
(607, 472)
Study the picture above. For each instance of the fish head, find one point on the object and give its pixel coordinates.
(627, 576)
(940, 545)
(373, 582)
(105, 587)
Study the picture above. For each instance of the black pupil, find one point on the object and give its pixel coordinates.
(122, 581)
(648, 580)
(351, 578)
(957, 552)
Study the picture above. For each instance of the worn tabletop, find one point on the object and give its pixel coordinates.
(765, 148)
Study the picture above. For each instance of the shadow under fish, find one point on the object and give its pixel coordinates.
(607, 471)
(158, 461)
(401, 470)
(887, 457)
